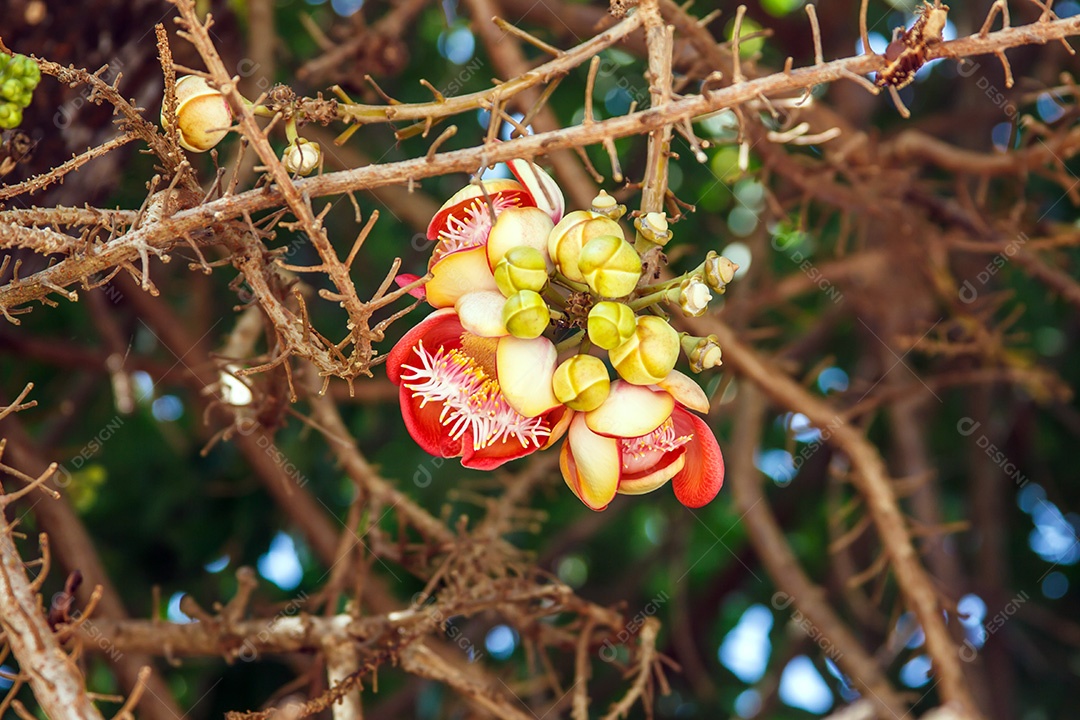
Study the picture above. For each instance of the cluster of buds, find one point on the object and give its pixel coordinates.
(544, 327)
(19, 75)
(203, 117)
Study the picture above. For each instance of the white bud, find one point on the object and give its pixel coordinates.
(302, 157)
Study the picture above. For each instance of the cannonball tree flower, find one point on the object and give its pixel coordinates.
(638, 439)
(487, 400)
(477, 226)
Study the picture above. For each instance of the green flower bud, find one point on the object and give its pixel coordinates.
(718, 271)
(610, 324)
(609, 207)
(692, 296)
(566, 239)
(31, 74)
(11, 90)
(610, 265)
(10, 116)
(581, 383)
(526, 315)
(703, 352)
(25, 70)
(302, 157)
(649, 355)
(654, 228)
(521, 268)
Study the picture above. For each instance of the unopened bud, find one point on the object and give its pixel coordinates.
(692, 296)
(10, 116)
(581, 383)
(570, 235)
(649, 355)
(654, 228)
(609, 207)
(203, 114)
(610, 265)
(302, 157)
(521, 268)
(526, 315)
(703, 352)
(610, 324)
(718, 271)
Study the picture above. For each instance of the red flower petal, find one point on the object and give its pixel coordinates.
(408, 278)
(492, 456)
(439, 329)
(438, 223)
(425, 427)
(703, 474)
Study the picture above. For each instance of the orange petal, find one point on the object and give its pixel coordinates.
(590, 464)
(560, 427)
(457, 274)
(630, 411)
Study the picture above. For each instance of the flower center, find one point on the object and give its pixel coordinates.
(471, 400)
(643, 452)
(473, 226)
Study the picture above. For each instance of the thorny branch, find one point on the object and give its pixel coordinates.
(470, 573)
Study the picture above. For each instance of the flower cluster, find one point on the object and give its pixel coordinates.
(530, 301)
(19, 75)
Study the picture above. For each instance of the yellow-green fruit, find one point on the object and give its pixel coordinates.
(521, 268)
(610, 324)
(610, 266)
(525, 314)
(649, 356)
(581, 383)
(566, 239)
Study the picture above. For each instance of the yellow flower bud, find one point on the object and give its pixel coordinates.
(203, 114)
(521, 268)
(610, 265)
(718, 271)
(568, 237)
(609, 207)
(610, 324)
(525, 314)
(650, 354)
(654, 228)
(692, 296)
(703, 352)
(302, 157)
(581, 383)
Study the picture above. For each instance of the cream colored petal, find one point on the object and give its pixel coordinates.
(457, 274)
(597, 461)
(685, 391)
(545, 192)
(630, 411)
(527, 226)
(481, 313)
(652, 481)
(524, 369)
